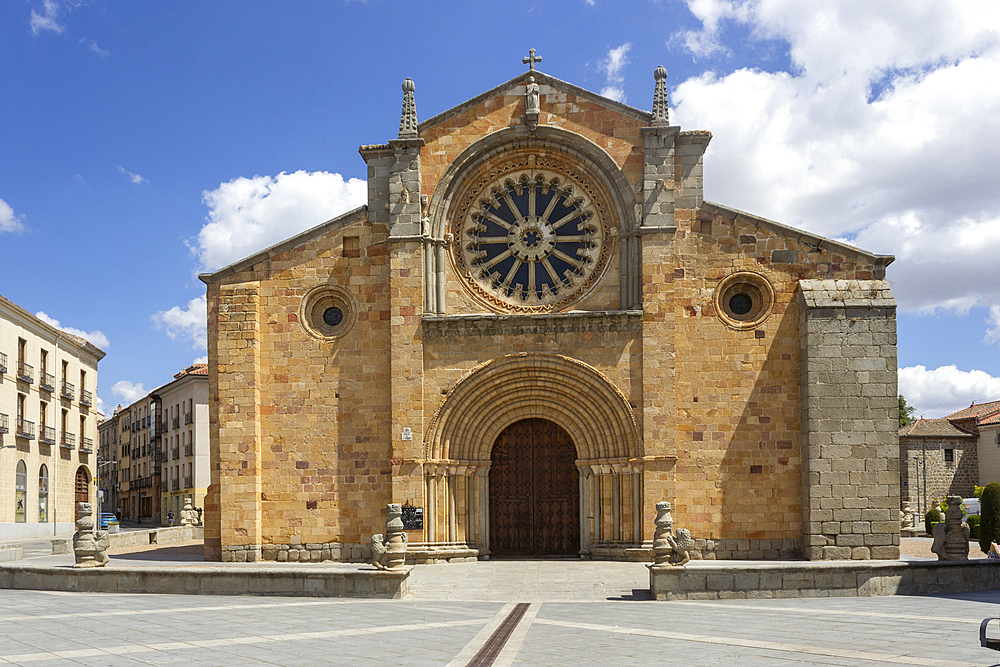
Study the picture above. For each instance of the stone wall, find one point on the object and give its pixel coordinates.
(958, 477)
(850, 468)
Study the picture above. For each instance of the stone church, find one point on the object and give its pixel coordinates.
(534, 331)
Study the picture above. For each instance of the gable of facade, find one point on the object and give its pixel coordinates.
(538, 265)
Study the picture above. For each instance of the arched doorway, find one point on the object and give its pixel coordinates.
(534, 491)
(82, 490)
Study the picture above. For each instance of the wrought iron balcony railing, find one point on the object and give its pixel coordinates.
(68, 390)
(86, 398)
(25, 372)
(176, 453)
(4, 425)
(175, 423)
(68, 440)
(3, 362)
(87, 445)
(47, 435)
(187, 482)
(25, 429)
(188, 418)
(47, 382)
(176, 484)
(188, 450)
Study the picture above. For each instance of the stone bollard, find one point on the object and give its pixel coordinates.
(90, 548)
(390, 553)
(951, 536)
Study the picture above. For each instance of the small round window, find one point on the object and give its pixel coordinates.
(744, 300)
(327, 312)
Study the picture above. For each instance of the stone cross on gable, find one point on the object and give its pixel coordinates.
(530, 60)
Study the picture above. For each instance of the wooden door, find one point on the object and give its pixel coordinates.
(534, 492)
(82, 494)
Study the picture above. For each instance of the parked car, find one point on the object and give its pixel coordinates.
(971, 506)
(106, 518)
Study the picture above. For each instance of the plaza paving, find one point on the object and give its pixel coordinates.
(577, 613)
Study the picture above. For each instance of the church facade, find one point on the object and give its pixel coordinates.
(534, 331)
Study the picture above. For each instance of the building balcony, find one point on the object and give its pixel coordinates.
(4, 423)
(3, 362)
(25, 429)
(68, 391)
(47, 382)
(187, 482)
(175, 454)
(175, 423)
(25, 372)
(86, 398)
(188, 418)
(135, 453)
(188, 450)
(47, 435)
(68, 441)
(87, 445)
(175, 485)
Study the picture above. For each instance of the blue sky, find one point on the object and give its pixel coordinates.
(141, 143)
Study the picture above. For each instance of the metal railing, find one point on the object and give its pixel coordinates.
(68, 391)
(25, 372)
(47, 435)
(47, 382)
(187, 482)
(4, 424)
(175, 423)
(25, 429)
(86, 398)
(87, 445)
(175, 453)
(188, 450)
(176, 484)
(3, 362)
(68, 440)
(188, 418)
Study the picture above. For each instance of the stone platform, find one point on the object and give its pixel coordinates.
(713, 580)
(292, 580)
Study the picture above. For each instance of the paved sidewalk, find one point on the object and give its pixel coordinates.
(42, 629)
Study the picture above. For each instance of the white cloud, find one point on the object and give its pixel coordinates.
(882, 133)
(92, 45)
(942, 391)
(47, 19)
(200, 360)
(186, 323)
(612, 65)
(247, 215)
(135, 178)
(993, 329)
(9, 222)
(97, 338)
(129, 392)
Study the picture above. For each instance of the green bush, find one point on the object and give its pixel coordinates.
(933, 516)
(973, 521)
(989, 517)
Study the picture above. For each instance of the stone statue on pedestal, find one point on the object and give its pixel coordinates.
(89, 548)
(951, 536)
(906, 516)
(189, 516)
(390, 553)
(668, 548)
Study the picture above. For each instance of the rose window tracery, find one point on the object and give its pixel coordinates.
(532, 240)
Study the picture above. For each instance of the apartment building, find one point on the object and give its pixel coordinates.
(48, 425)
(107, 461)
(184, 402)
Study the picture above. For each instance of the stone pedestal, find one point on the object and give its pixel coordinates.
(389, 553)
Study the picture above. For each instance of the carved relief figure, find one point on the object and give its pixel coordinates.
(389, 553)
(669, 549)
(951, 536)
(89, 548)
(531, 97)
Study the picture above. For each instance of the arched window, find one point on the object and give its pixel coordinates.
(21, 493)
(43, 494)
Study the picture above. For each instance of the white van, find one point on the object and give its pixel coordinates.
(972, 504)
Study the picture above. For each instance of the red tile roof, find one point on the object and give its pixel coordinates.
(934, 428)
(196, 369)
(992, 419)
(981, 410)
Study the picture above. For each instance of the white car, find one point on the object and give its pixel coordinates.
(972, 505)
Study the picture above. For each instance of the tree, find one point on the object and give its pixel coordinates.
(905, 412)
(989, 517)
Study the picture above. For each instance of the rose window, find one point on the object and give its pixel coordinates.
(532, 240)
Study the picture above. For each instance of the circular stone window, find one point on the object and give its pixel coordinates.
(327, 312)
(744, 300)
(532, 241)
